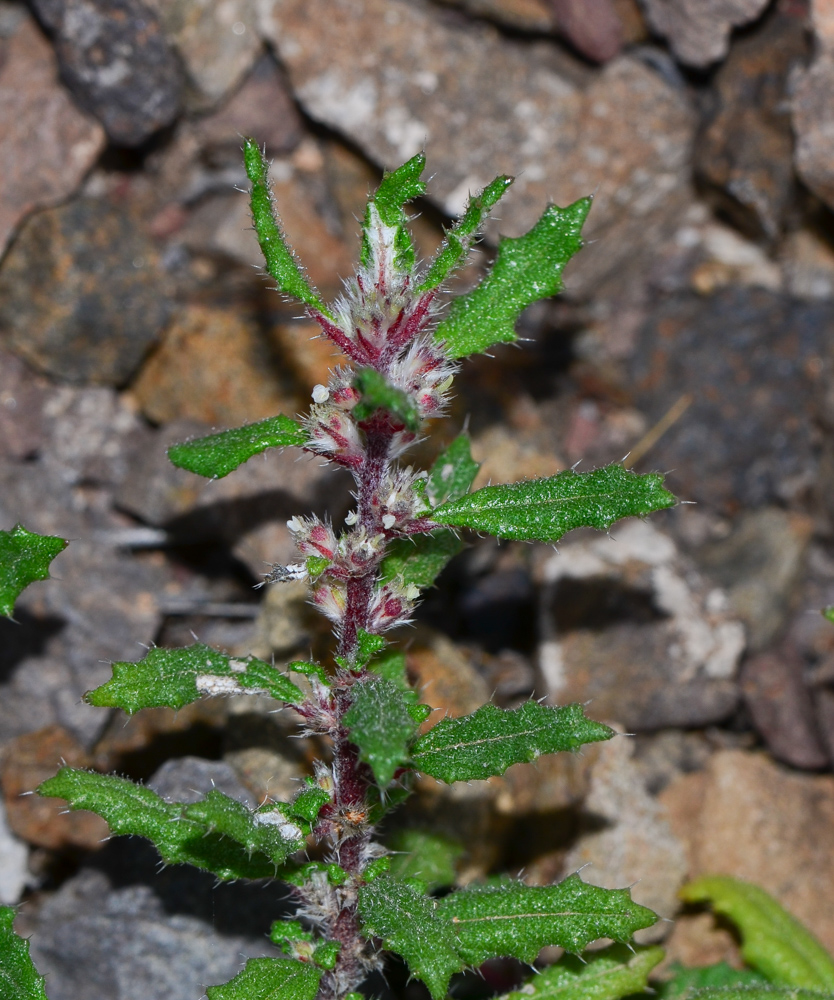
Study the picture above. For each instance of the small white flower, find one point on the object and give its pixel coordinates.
(388, 521)
(321, 394)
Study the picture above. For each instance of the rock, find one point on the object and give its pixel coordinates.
(528, 15)
(744, 356)
(760, 564)
(727, 259)
(697, 940)
(626, 136)
(554, 782)
(813, 122)
(807, 261)
(636, 846)
(26, 762)
(212, 366)
(506, 456)
(48, 143)
(14, 858)
(22, 395)
(625, 625)
(284, 621)
(591, 26)
(266, 773)
(699, 30)
(780, 703)
(445, 678)
(745, 150)
(664, 755)
(714, 811)
(217, 40)
(189, 779)
(83, 295)
(116, 61)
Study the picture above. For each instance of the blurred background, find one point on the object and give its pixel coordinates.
(694, 334)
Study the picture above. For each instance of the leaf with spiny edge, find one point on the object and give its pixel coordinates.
(772, 941)
(24, 558)
(280, 261)
(377, 393)
(760, 993)
(419, 560)
(216, 455)
(19, 979)
(173, 678)
(453, 472)
(270, 979)
(458, 239)
(686, 982)
(491, 739)
(513, 920)
(526, 269)
(221, 840)
(609, 974)
(396, 189)
(381, 726)
(545, 509)
(408, 923)
(430, 857)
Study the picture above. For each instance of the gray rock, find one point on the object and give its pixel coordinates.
(117, 62)
(14, 858)
(189, 779)
(22, 395)
(699, 30)
(813, 120)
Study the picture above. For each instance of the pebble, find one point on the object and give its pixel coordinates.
(699, 30)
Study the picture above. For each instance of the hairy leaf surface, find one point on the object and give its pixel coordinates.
(173, 678)
(773, 941)
(761, 993)
(489, 740)
(24, 558)
(453, 472)
(516, 921)
(526, 269)
(419, 560)
(216, 455)
(280, 262)
(396, 189)
(270, 979)
(380, 725)
(544, 509)
(430, 857)
(408, 923)
(19, 979)
(609, 974)
(377, 393)
(686, 981)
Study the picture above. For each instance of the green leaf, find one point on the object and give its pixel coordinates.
(773, 941)
(609, 974)
(761, 993)
(270, 979)
(24, 558)
(458, 239)
(829, 613)
(408, 923)
(216, 455)
(380, 725)
(513, 920)
(491, 739)
(368, 645)
(19, 979)
(687, 981)
(280, 262)
(377, 393)
(419, 560)
(175, 677)
(396, 189)
(544, 509)
(525, 270)
(211, 834)
(430, 857)
(453, 472)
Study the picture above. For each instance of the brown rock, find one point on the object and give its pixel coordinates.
(745, 149)
(554, 782)
(697, 940)
(83, 294)
(22, 395)
(30, 760)
(529, 15)
(48, 143)
(444, 677)
(813, 121)
(741, 816)
(699, 30)
(591, 26)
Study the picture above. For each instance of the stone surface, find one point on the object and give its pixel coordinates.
(813, 122)
(189, 779)
(591, 26)
(699, 30)
(444, 676)
(213, 366)
(528, 15)
(745, 150)
(635, 846)
(746, 357)
(48, 143)
(747, 817)
(83, 294)
(22, 396)
(623, 624)
(424, 82)
(14, 857)
(116, 61)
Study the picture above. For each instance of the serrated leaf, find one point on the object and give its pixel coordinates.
(408, 923)
(216, 455)
(545, 509)
(489, 740)
(609, 974)
(19, 979)
(268, 830)
(24, 558)
(380, 725)
(772, 941)
(132, 809)
(458, 239)
(513, 920)
(526, 269)
(270, 979)
(430, 857)
(396, 189)
(173, 678)
(280, 262)
(419, 560)
(453, 472)
(687, 981)
(377, 393)
(761, 993)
